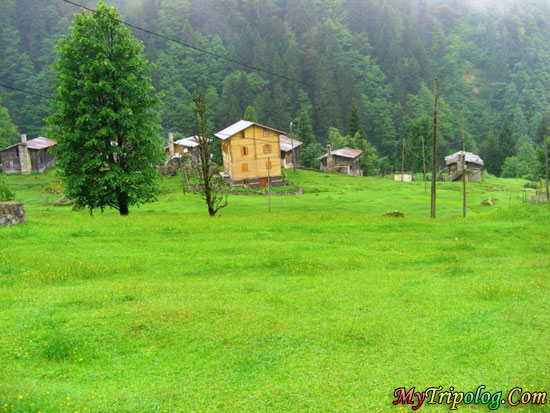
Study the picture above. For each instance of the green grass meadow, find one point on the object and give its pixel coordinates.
(320, 305)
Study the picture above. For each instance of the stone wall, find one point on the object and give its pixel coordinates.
(12, 213)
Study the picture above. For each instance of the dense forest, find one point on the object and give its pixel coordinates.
(363, 71)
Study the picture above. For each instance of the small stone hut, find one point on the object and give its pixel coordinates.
(27, 157)
(345, 161)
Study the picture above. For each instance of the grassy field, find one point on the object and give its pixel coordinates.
(321, 305)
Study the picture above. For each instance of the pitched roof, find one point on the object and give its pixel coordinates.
(36, 143)
(238, 127)
(41, 143)
(189, 142)
(344, 153)
(287, 143)
(470, 157)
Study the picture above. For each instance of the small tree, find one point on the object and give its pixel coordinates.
(5, 193)
(105, 116)
(209, 186)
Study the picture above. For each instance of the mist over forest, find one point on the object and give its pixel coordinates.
(360, 66)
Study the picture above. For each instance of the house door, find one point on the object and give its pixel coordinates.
(263, 182)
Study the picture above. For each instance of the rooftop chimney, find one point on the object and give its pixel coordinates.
(23, 138)
(171, 144)
(329, 151)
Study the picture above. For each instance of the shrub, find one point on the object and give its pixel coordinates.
(5, 193)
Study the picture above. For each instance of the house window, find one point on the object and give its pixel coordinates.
(268, 165)
(266, 132)
(242, 134)
(244, 151)
(267, 148)
(245, 167)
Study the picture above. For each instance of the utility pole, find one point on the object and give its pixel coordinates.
(292, 148)
(546, 167)
(424, 164)
(463, 167)
(403, 161)
(268, 185)
(434, 149)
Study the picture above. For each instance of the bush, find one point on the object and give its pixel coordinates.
(5, 193)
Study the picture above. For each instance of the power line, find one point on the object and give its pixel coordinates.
(25, 91)
(208, 52)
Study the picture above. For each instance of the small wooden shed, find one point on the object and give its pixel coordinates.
(474, 166)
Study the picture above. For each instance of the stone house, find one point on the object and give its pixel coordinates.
(345, 161)
(287, 157)
(474, 166)
(181, 147)
(27, 157)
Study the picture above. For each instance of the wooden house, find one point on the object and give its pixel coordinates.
(27, 157)
(251, 154)
(474, 166)
(345, 161)
(287, 156)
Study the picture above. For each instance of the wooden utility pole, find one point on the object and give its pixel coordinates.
(434, 149)
(463, 166)
(424, 164)
(546, 167)
(292, 148)
(268, 185)
(403, 161)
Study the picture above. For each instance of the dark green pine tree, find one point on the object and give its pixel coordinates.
(16, 70)
(506, 141)
(305, 129)
(8, 132)
(543, 130)
(496, 150)
(105, 116)
(354, 123)
(491, 154)
(250, 114)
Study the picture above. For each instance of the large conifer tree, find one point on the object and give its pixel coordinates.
(104, 115)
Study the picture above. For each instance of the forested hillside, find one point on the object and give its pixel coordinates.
(360, 65)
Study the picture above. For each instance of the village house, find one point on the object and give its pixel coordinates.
(27, 157)
(345, 161)
(251, 154)
(181, 147)
(474, 166)
(287, 155)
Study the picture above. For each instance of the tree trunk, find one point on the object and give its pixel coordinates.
(123, 204)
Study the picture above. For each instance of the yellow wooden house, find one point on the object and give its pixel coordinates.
(251, 154)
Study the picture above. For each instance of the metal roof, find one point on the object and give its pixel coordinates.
(470, 158)
(189, 142)
(286, 143)
(41, 143)
(344, 153)
(36, 143)
(240, 126)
